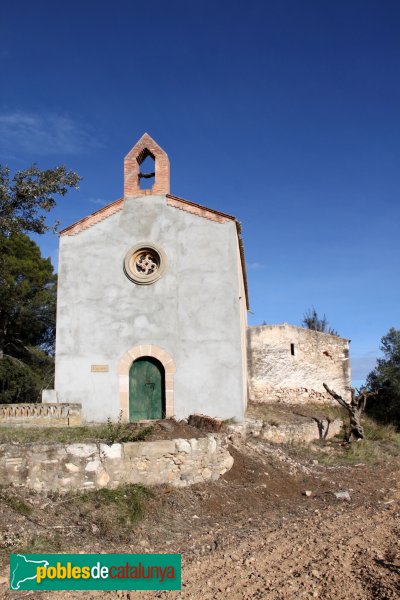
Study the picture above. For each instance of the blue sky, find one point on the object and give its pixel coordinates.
(285, 114)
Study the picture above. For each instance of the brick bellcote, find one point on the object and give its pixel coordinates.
(145, 147)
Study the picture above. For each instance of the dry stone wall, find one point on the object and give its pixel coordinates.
(294, 433)
(64, 467)
(290, 364)
(287, 433)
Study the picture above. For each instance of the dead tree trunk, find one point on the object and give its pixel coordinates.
(323, 432)
(355, 408)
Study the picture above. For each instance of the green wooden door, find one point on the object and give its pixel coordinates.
(146, 390)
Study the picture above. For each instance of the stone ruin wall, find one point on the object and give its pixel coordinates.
(275, 375)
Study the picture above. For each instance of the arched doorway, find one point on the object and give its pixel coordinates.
(146, 389)
(124, 365)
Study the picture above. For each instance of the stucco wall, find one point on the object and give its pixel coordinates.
(192, 312)
(276, 375)
(243, 325)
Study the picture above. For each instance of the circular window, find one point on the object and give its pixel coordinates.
(144, 263)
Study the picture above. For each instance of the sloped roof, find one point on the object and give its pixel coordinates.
(94, 218)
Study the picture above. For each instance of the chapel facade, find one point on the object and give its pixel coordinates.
(152, 305)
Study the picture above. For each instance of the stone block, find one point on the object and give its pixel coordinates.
(183, 446)
(71, 468)
(158, 448)
(172, 475)
(93, 466)
(103, 478)
(14, 461)
(226, 464)
(65, 483)
(206, 473)
(212, 444)
(132, 449)
(202, 445)
(142, 465)
(114, 451)
(82, 450)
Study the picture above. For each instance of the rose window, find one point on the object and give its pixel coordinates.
(144, 264)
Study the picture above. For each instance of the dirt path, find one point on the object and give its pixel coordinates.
(336, 553)
(255, 535)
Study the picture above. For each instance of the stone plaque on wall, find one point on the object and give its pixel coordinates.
(99, 368)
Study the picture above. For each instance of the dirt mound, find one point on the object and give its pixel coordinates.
(169, 429)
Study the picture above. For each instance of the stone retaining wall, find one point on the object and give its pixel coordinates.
(62, 467)
(286, 395)
(40, 415)
(290, 433)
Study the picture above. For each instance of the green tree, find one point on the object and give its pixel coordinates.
(385, 378)
(24, 381)
(311, 320)
(27, 296)
(27, 281)
(29, 194)
(27, 319)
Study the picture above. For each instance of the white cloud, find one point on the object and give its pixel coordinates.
(44, 134)
(98, 201)
(254, 266)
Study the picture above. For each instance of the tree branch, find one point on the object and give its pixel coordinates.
(338, 398)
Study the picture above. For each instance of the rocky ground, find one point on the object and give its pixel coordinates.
(252, 534)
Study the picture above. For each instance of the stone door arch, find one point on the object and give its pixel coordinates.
(124, 365)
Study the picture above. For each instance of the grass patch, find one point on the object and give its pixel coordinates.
(381, 443)
(383, 433)
(40, 544)
(114, 510)
(227, 422)
(127, 432)
(267, 412)
(16, 504)
(52, 434)
(285, 414)
(364, 451)
(325, 410)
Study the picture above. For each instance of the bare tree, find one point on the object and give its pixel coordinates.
(355, 408)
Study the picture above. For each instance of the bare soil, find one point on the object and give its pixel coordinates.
(169, 429)
(253, 534)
